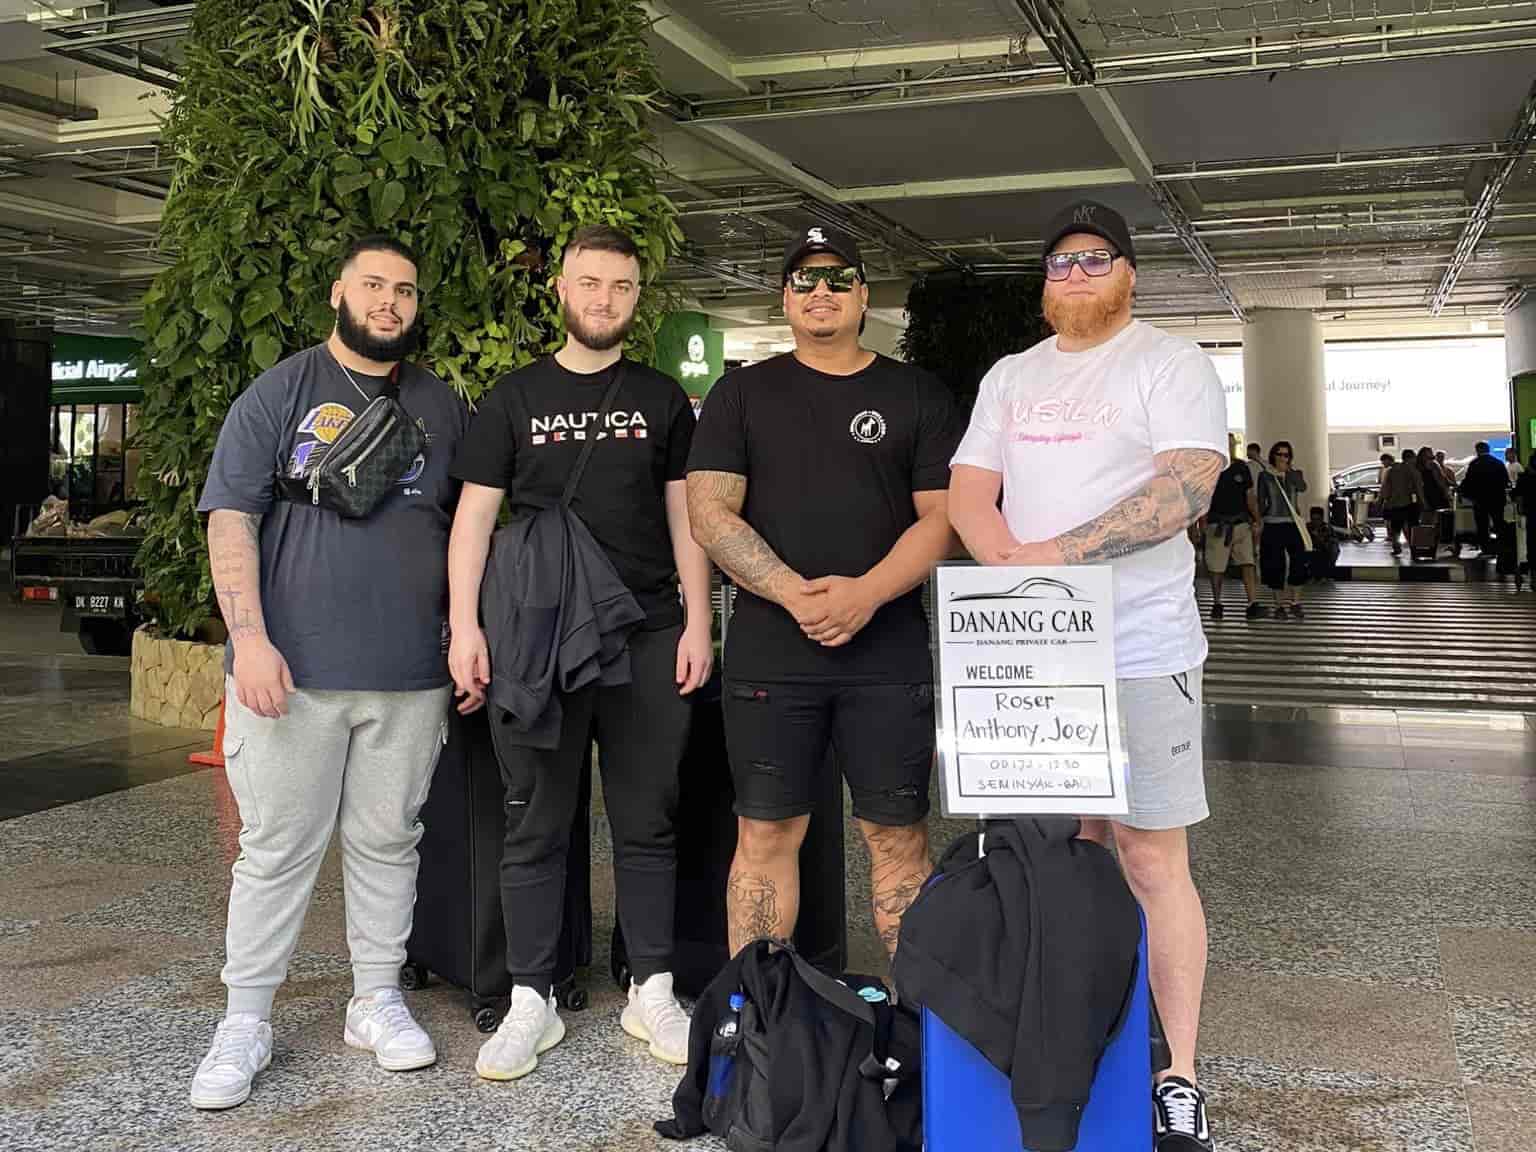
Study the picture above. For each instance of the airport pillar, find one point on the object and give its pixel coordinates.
(1285, 392)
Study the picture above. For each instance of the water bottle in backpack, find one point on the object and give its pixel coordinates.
(722, 1050)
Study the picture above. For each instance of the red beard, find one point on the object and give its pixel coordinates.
(1084, 317)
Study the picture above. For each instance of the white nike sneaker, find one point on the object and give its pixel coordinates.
(242, 1047)
(382, 1024)
(655, 1016)
(531, 1027)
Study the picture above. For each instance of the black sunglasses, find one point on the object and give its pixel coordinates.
(803, 280)
(1094, 262)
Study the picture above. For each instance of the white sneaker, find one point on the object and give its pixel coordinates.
(383, 1025)
(655, 1016)
(242, 1047)
(531, 1027)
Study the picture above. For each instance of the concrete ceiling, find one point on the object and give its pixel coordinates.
(1324, 154)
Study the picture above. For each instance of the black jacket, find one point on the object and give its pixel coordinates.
(1525, 492)
(1029, 953)
(557, 618)
(815, 1042)
(1486, 482)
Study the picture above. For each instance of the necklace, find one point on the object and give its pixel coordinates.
(351, 379)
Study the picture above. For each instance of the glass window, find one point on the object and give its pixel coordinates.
(59, 446)
(133, 455)
(109, 457)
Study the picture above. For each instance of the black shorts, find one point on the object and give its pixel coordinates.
(779, 735)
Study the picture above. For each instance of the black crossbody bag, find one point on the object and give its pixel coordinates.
(355, 473)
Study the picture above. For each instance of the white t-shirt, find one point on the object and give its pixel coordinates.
(1075, 433)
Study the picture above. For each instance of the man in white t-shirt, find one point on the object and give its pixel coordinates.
(1106, 442)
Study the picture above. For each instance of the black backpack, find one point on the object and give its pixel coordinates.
(816, 1064)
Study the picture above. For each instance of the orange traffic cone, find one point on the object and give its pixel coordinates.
(214, 757)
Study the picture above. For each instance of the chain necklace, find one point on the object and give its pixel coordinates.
(351, 379)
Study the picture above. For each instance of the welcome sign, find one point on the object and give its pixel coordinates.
(1027, 712)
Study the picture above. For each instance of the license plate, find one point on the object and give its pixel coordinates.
(98, 604)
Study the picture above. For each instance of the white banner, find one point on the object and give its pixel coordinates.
(1027, 712)
(1382, 387)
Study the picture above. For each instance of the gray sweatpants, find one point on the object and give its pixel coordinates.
(360, 760)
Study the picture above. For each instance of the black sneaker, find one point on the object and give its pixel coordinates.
(1257, 611)
(1178, 1117)
(1218, 610)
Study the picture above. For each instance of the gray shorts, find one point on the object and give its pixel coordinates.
(1160, 725)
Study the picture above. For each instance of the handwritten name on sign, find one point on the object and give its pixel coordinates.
(1028, 715)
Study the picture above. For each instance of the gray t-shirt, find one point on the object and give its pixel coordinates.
(362, 604)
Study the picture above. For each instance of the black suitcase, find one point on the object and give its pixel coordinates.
(1508, 557)
(706, 843)
(457, 930)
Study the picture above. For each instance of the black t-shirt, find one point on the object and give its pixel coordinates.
(1229, 503)
(831, 464)
(352, 604)
(528, 431)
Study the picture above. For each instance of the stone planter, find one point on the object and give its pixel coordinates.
(176, 683)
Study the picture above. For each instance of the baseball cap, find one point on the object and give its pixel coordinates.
(1096, 220)
(822, 238)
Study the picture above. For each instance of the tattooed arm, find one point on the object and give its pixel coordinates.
(715, 501)
(262, 679)
(1176, 496)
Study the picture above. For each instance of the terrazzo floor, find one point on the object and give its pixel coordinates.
(1370, 879)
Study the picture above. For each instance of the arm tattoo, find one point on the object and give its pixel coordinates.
(715, 501)
(1176, 497)
(234, 559)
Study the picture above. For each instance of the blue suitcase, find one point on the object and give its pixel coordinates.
(967, 1105)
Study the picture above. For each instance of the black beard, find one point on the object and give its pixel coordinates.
(597, 342)
(356, 336)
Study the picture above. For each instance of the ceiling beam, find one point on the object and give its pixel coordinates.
(1515, 145)
(989, 185)
(691, 40)
(1117, 131)
(972, 51)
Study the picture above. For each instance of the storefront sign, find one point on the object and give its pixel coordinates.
(1028, 717)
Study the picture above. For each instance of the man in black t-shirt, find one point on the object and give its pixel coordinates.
(1230, 530)
(818, 482)
(524, 441)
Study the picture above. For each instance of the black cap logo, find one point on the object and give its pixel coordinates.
(1083, 215)
(815, 236)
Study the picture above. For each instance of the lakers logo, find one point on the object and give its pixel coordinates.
(325, 422)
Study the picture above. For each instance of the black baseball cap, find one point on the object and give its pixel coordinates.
(1096, 220)
(822, 238)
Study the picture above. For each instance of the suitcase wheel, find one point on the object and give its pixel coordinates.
(487, 1018)
(414, 976)
(571, 995)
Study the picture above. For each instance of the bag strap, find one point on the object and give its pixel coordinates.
(574, 480)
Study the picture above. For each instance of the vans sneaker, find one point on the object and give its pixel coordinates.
(383, 1025)
(242, 1047)
(1178, 1109)
(654, 1015)
(531, 1027)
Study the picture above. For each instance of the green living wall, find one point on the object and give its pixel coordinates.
(481, 132)
(959, 325)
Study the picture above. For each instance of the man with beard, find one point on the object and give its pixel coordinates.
(818, 482)
(524, 442)
(337, 691)
(1106, 442)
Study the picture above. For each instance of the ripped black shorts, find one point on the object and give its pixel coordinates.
(779, 735)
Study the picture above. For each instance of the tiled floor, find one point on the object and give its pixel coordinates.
(1370, 879)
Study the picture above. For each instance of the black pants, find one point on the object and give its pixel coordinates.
(1489, 517)
(1400, 521)
(641, 729)
(1277, 544)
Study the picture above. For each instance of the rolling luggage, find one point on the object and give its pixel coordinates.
(1424, 541)
(1507, 562)
(457, 931)
(968, 1104)
(706, 842)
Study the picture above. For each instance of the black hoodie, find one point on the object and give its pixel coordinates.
(1029, 953)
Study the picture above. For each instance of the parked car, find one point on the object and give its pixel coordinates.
(1358, 478)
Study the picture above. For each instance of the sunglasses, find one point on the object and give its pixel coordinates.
(803, 280)
(1094, 262)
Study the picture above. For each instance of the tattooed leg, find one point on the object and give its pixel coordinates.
(898, 869)
(763, 896)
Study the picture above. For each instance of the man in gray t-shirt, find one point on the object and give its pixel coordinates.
(337, 692)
